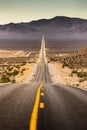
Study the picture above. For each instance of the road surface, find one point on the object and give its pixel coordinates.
(42, 105)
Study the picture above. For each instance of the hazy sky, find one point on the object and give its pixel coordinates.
(27, 10)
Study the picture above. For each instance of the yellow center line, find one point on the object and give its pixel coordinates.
(42, 88)
(42, 94)
(34, 115)
(41, 105)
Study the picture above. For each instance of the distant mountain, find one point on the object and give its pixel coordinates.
(59, 26)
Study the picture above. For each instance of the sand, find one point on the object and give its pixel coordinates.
(63, 76)
(27, 75)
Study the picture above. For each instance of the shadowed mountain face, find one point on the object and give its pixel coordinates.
(59, 27)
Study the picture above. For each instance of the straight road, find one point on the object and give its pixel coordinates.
(42, 105)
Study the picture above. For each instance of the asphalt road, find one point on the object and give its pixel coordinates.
(65, 107)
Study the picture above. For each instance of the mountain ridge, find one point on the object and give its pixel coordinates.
(53, 27)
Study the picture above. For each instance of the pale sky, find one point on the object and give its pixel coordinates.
(28, 10)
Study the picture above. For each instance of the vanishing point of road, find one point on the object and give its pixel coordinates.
(42, 105)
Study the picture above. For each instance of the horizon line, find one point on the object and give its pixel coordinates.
(43, 19)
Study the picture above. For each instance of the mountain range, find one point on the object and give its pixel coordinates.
(57, 27)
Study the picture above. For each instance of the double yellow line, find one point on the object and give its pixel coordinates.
(34, 115)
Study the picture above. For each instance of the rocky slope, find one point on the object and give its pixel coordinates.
(72, 68)
(76, 60)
